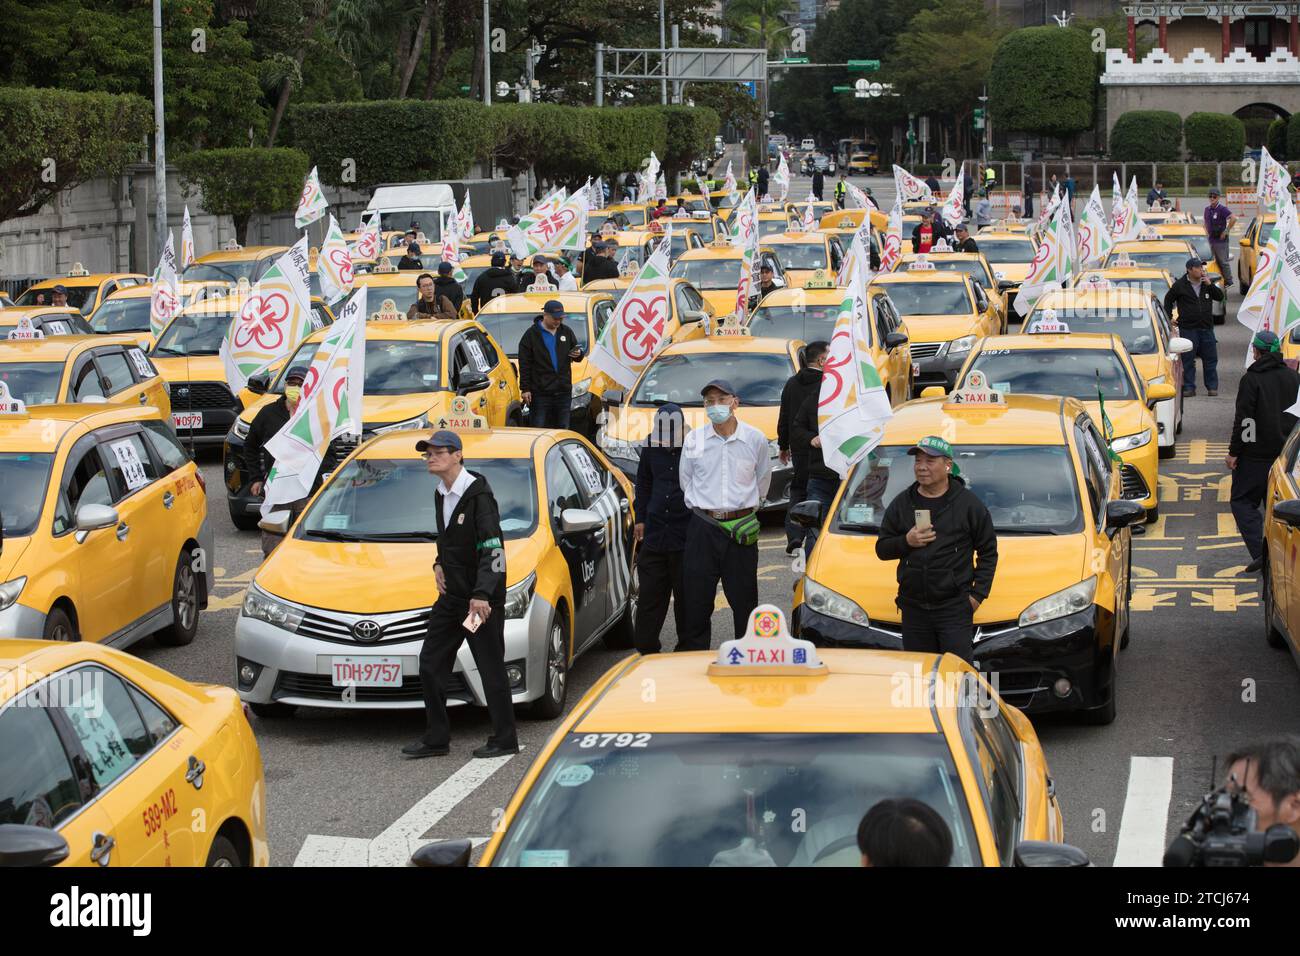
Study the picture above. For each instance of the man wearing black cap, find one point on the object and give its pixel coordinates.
(1194, 296)
(726, 470)
(431, 304)
(545, 377)
(470, 572)
(963, 240)
(270, 418)
(412, 258)
(661, 522)
(59, 297)
(495, 280)
(1260, 427)
(446, 285)
(598, 264)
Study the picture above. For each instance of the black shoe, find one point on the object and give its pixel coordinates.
(421, 749)
(1189, 393)
(491, 749)
(1212, 392)
(1255, 566)
(792, 546)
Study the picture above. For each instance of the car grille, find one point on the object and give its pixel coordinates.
(397, 626)
(321, 687)
(200, 395)
(1135, 489)
(925, 350)
(339, 449)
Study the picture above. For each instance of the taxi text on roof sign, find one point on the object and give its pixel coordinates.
(976, 393)
(8, 404)
(767, 648)
(730, 327)
(920, 264)
(819, 280)
(388, 312)
(25, 330)
(461, 417)
(1048, 322)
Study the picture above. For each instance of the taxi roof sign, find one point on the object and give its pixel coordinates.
(1049, 322)
(767, 648)
(8, 404)
(1095, 280)
(1123, 261)
(388, 312)
(461, 418)
(25, 330)
(819, 280)
(78, 271)
(941, 246)
(976, 393)
(729, 326)
(1149, 233)
(385, 265)
(541, 285)
(920, 264)
(232, 245)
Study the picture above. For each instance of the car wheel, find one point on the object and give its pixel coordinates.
(555, 683)
(1243, 285)
(1165, 452)
(273, 711)
(223, 853)
(622, 635)
(1153, 514)
(242, 520)
(58, 627)
(1105, 714)
(185, 603)
(1274, 637)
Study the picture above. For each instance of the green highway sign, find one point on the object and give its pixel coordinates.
(795, 59)
(868, 66)
(841, 89)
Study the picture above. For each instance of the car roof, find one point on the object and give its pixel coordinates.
(16, 312)
(25, 662)
(1004, 234)
(533, 301)
(44, 425)
(786, 294)
(406, 277)
(495, 443)
(1149, 245)
(241, 255)
(711, 251)
(788, 238)
(1022, 342)
(1113, 297)
(58, 347)
(730, 343)
(94, 278)
(1023, 420)
(408, 330)
(923, 275)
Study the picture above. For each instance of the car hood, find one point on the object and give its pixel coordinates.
(196, 368)
(940, 328)
(9, 558)
(1011, 271)
(380, 410)
(1125, 417)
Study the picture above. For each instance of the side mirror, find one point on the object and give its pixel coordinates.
(613, 396)
(580, 520)
(1288, 512)
(1161, 392)
(1042, 853)
(1179, 345)
(694, 315)
(444, 854)
(471, 380)
(276, 525)
(808, 514)
(259, 383)
(93, 517)
(22, 845)
(1122, 513)
(894, 339)
(933, 391)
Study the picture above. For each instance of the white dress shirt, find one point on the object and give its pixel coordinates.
(451, 496)
(565, 283)
(725, 474)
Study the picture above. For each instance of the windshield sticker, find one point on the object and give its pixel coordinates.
(429, 378)
(100, 736)
(129, 462)
(544, 858)
(335, 522)
(614, 740)
(590, 476)
(860, 514)
(140, 362)
(996, 352)
(1001, 386)
(574, 776)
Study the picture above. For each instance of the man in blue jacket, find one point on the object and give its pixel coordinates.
(661, 520)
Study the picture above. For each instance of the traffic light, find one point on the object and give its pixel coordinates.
(979, 119)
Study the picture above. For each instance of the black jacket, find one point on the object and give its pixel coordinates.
(269, 419)
(446, 285)
(970, 245)
(660, 504)
(599, 267)
(944, 570)
(1267, 389)
(470, 550)
(536, 373)
(760, 293)
(1193, 312)
(408, 263)
(805, 382)
(762, 181)
(818, 183)
(487, 284)
(933, 184)
(941, 231)
(803, 429)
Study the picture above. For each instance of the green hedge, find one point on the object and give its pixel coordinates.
(1276, 139)
(1293, 140)
(1043, 80)
(690, 132)
(1151, 136)
(1214, 137)
(241, 182)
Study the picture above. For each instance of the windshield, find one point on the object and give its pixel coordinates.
(23, 478)
(1200, 243)
(427, 221)
(971, 267)
(403, 297)
(1071, 372)
(708, 273)
(227, 271)
(1028, 489)
(772, 227)
(1156, 287)
(121, 315)
(726, 799)
(999, 251)
(1175, 263)
(197, 334)
(378, 498)
(80, 297)
(802, 255)
(597, 219)
(1265, 231)
(758, 377)
(1133, 326)
(701, 227)
(809, 324)
(34, 383)
(509, 327)
(392, 367)
(929, 298)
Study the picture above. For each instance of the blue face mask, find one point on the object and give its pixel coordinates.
(718, 414)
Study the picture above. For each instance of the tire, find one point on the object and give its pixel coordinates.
(1274, 637)
(273, 711)
(1153, 514)
(1105, 714)
(1165, 452)
(223, 853)
(1243, 285)
(185, 604)
(555, 682)
(244, 522)
(623, 634)
(59, 627)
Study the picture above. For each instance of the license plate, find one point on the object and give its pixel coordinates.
(366, 671)
(187, 420)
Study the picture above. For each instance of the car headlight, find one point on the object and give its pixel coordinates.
(963, 344)
(825, 601)
(263, 607)
(1075, 598)
(519, 597)
(241, 428)
(581, 388)
(411, 424)
(10, 590)
(1129, 442)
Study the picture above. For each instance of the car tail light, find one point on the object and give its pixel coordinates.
(203, 484)
(248, 714)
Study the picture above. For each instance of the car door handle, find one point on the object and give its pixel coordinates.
(123, 530)
(169, 499)
(194, 775)
(143, 398)
(599, 535)
(101, 850)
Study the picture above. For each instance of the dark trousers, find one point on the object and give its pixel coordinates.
(797, 491)
(945, 629)
(712, 556)
(659, 575)
(1249, 485)
(823, 490)
(271, 540)
(550, 410)
(1206, 346)
(438, 659)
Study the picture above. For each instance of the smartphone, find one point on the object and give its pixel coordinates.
(472, 622)
(922, 519)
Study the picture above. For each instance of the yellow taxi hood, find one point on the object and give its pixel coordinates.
(388, 409)
(1125, 417)
(721, 301)
(632, 422)
(940, 328)
(1010, 271)
(196, 368)
(1030, 567)
(370, 577)
(13, 550)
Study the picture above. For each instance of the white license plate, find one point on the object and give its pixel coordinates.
(187, 420)
(366, 671)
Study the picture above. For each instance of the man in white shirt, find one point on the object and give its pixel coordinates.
(725, 473)
(564, 280)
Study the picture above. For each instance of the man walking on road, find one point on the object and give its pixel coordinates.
(546, 352)
(805, 383)
(1259, 428)
(942, 536)
(1194, 296)
(662, 519)
(841, 190)
(470, 572)
(725, 471)
(818, 183)
(1219, 221)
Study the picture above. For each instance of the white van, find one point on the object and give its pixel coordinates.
(807, 145)
(429, 205)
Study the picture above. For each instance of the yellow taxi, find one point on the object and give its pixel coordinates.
(387, 284)
(1120, 276)
(85, 289)
(1014, 226)
(689, 315)
(809, 314)
(724, 202)
(1281, 584)
(861, 164)
(1164, 217)
(414, 370)
(825, 734)
(972, 264)
(1170, 255)
(758, 368)
(627, 215)
(337, 615)
(772, 219)
(1057, 615)
(1194, 235)
(49, 320)
(128, 310)
(1010, 254)
(698, 230)
(106, 532)
(1139, 319)
(803, 253)
(694, 204)
(1252, 240)
(821, 208)
(232, 263)
(107, 760)
(846, 222)
(946, 313)
(1088, 367)
(80, 369)
(715, 272)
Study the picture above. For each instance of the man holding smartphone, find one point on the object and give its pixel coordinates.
(470, 571)
(936, 529)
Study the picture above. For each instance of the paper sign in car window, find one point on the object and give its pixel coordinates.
(98, 731)
(544, 858)
(58, 328)
(476, 351)
(590, 476)
(132, 468)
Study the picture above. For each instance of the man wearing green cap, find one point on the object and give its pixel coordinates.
(1259, 429)
(942, 537)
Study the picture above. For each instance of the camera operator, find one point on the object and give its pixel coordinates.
(1268, 775)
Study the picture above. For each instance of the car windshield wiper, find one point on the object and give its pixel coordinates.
(850, 526)
(331, 535)
(158, 350)
(400, 536)
(1023, 530)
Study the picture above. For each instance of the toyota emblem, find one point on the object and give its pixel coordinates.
(367, 631)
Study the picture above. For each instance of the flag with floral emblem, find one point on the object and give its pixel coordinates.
(1095, 241)
(334, 265)
(273, 319)
(187, 240)
(891, 249)
(910, 189)
(636, 329)
(312, 203)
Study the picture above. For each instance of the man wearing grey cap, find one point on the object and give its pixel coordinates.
(1219, 221)
(1193, 297)
(470, 572)
(547, 351)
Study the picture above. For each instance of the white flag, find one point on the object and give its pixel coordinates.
(858, 258)
(909, 188)
(549, 229)
(861, 198)
(729, 184)
(187, 241)
(1274, 181)
(311, 204)
(1050, 263)
(1095, 241)
(954, 207)
(334, 265)
(891, 247)
(1257, 304)
(464, 224)
(782, 178)
(1116, 203)
(808, 222)
(165, 298)
(634, 332)
(273, 319)
(367, 244)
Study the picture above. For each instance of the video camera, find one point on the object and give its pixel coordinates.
(1221, 832)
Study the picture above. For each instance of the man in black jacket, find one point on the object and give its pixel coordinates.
(965, 242)
(818, 183)
(934, 529)
(470, 572)
(766, 284)
(412, 258)
(545, 376)
(1260, 427)
(823, 482)
(599, 265)
(803, 384)
(761, 181)
(270, 418)
(661, 520)
(1194, 296)
(495, 280)
(447, 286)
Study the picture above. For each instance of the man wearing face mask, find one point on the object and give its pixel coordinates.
(726, 469)
(257, 460)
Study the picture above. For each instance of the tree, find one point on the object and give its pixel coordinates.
(241, 183)
(1214, 137)
(1043, 80)
(1147, 136)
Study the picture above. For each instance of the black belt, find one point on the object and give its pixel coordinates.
(723, 515)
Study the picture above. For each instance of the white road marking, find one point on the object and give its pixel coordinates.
(1146, 812)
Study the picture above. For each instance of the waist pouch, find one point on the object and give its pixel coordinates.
(744, 530)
